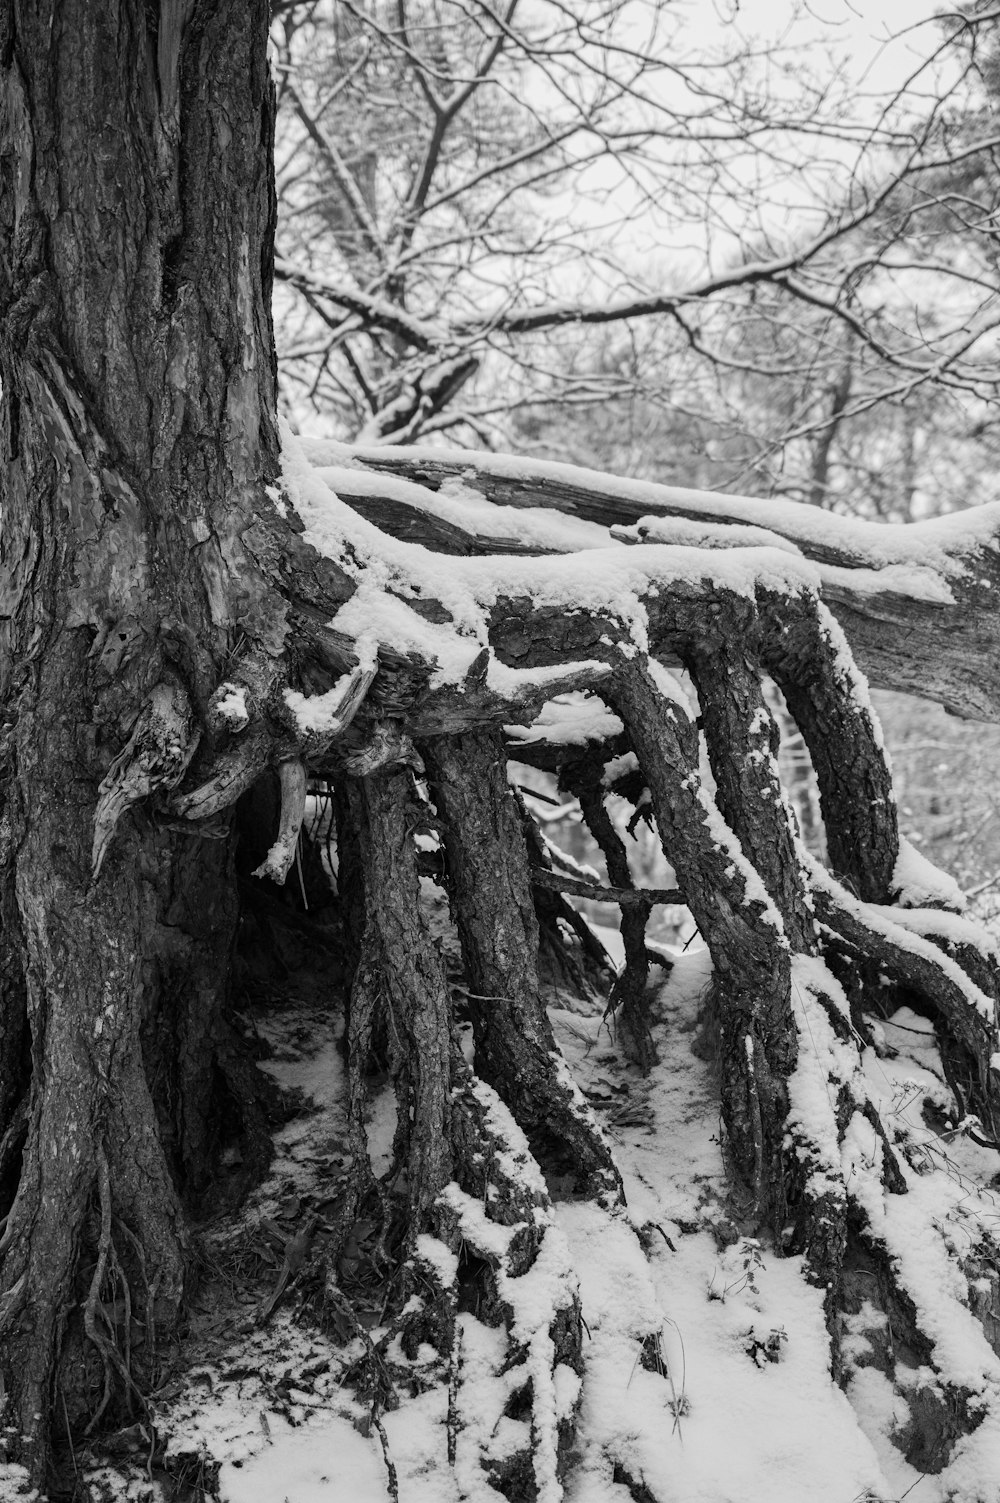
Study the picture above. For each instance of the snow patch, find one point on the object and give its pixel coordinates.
(917, 883)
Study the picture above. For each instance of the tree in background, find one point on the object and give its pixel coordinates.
(545, 182)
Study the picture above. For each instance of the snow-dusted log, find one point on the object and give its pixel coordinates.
(917, 601)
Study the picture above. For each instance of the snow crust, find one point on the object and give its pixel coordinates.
(230, 704)
(896, 929)
(318, 712)
(619, 767)
(918, 883)
(685, 532)
(569, 720)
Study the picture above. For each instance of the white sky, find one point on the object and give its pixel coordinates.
(875, 45)
(873, 32)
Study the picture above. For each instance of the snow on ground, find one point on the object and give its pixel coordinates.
(706, 1360)
(747, 1410)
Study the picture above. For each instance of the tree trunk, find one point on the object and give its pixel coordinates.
(138, 436)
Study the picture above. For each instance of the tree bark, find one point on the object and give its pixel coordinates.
(138, 435)
(743, 932)
(491, 894)
(398, 961)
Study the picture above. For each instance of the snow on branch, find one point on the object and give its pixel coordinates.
(373, 312)
(917, 600)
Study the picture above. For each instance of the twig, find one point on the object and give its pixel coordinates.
(625, 897)
(389, 1465)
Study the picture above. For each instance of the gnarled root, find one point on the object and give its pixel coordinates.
(492, 1311)
(399, 958)
(740, 925)
(490, 890)
(485, 1281)
(808, 1136)
(628, 999)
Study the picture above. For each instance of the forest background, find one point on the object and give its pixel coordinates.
(750, 250)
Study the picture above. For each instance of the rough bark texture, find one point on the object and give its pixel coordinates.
(491, 894)
(750, 957)
(830, 706)
(398, 959)
(138, 433)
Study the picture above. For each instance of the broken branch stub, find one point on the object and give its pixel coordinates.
(292, 783)
(154, 759)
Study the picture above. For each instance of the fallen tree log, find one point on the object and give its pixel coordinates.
(916, 601)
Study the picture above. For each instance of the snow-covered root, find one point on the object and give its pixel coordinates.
(785, 1160)
(825, 1091)
(634, 1369)
(804, 649)
(742, 741)
(741, 926)
(899, 1297)
(486, 1298)
(893, 941)
(490, 891)
(850, 1197)
(493, 1312)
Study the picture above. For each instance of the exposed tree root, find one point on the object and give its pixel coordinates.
(570, 953)
(740, 925)
(628, 998)
(805, 650)
(503, 1268)
(399, 960)
(485, 1281)
(491, 1312)
(463, 1212)
(966, 1015)
(490, 890)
